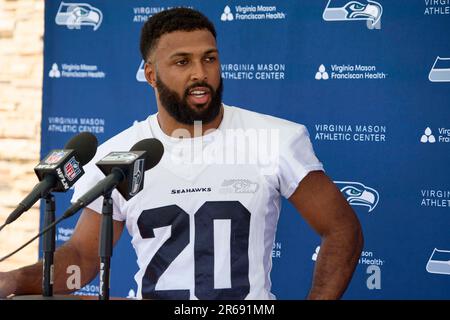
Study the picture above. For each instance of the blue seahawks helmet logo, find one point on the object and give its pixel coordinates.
(140, 74)
(76, 15)
(440, 72)
(338, 10)
(358, 194)
(439, 262)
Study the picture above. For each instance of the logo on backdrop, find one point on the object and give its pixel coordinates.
(350, 72)
(88, 290)
(77, 15)
(76, 125)
(357, 194)
(240, 71)
(350, 133)
(54, 72)
(64, 234)
(322, 73)
(436, 198)
(75, 70)
(132, 294)
(252, 13)
(276, 250)
(435, 7)
(439, 262)
(315, 254)
(227, 15)
(253, 71)
(344, 10)
(367, 258)
(428, 136)
(440, 72)
(141, 14)
(373, 268)
(140, 74)
(442, 135)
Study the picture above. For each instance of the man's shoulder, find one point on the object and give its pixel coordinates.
(125, 139)
(248, 119)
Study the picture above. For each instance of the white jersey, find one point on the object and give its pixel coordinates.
(204, 224)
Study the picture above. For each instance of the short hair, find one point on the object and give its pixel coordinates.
(167, 21)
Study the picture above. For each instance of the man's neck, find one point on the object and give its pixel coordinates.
(172, 127)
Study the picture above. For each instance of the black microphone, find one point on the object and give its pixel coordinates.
(59, 170)
(124, 171)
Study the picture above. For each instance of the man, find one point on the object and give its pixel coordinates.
(203, 227)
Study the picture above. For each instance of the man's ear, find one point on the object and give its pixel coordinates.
(150, 73)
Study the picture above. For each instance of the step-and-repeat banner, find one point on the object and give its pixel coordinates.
(369, 79)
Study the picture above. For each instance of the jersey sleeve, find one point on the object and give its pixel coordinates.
(296, 160)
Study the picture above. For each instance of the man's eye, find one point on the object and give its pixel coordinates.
(181, 62)
(210, 59)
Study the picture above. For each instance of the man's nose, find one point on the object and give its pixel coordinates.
(198, 72)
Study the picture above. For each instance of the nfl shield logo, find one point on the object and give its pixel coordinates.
(72, 169)
(55, 157)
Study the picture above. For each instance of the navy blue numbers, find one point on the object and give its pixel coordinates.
(238, 219)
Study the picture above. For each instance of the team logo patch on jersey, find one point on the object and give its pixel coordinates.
(72, 169)
(239, 186)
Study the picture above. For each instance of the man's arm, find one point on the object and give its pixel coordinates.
(81, 250)
(325, 209)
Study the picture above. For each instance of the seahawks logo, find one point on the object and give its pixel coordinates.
(358, 194)
(439, 262)
(344, 10)
(239, 186)
(76, 15)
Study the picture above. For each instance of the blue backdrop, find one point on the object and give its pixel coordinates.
(370, 80)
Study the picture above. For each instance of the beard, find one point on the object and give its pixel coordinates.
(179, 108)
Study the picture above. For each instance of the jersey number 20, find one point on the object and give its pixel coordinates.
(204, 219)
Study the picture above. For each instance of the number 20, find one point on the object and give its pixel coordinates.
(203, 249)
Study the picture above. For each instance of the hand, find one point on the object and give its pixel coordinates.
(7, 284)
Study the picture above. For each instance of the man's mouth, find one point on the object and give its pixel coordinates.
(199, 95)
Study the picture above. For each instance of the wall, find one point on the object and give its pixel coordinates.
(21, 59)
(372, 91)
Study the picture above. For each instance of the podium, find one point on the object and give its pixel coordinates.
(63, 297)
(53, 297)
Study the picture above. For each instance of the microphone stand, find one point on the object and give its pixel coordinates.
(48, 249)
(106, 246)
(48, 245)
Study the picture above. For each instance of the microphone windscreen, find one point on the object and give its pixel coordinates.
(154, 148)
(85, 146)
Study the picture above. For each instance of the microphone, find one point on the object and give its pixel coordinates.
(124, 171)
(59, 170)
